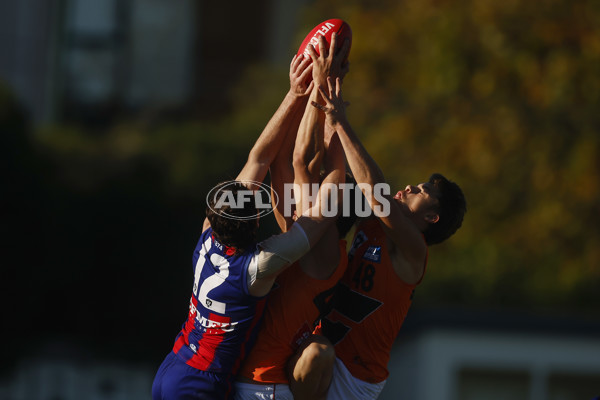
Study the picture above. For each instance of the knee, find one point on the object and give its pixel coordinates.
(319, 352)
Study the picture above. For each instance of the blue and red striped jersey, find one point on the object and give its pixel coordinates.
(223, 317)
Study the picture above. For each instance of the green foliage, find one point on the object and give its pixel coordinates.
(191, 154)
(501, 97)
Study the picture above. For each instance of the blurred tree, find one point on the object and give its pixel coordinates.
(124, 208)
(501, 97)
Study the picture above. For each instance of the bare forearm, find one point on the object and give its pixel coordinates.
(270, 140)
(363, 167)
(308, 150)
(308, 154)
(281, 172)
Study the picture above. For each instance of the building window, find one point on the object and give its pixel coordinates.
(92, 43)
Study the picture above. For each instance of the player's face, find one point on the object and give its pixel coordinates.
(418, 199)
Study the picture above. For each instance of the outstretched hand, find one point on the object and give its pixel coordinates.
(331, 61)
(335, 106)
(300, 73)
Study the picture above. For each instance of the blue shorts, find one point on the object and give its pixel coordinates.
(175, 380)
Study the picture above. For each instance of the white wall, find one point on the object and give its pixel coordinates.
(428, 366)
(48, 379)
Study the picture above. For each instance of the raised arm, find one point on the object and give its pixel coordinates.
(308, 153)
(309, 146)
(270, 140)
(272, 137)
(405, 235)
(281, 170)
(280, 251)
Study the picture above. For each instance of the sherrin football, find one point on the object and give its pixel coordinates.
(326, 29)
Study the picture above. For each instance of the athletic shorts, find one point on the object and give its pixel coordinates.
(267, 391)
(175, 380)
(346, 387)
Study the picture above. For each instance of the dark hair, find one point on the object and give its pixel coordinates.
(240, 233)
(451, 209)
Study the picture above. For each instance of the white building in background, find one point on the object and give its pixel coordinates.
(440, 355)
(136, 50)
(488, 356)
(27, 50)
(140, 53)
(136, 53)
(67, 379)
(98, 57)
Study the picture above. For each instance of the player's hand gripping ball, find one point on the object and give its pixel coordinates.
(326, 29)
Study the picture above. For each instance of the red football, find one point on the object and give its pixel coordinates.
(326, 28)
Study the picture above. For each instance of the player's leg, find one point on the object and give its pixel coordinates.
(157, 385)
(311, 368)
(176, 380)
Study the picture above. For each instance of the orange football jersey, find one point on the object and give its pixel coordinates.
(369, 306)
(293, 309)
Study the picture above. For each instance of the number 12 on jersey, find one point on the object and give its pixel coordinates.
(212, 281)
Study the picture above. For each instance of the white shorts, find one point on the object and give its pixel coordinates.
(251, 391)
(346, 387)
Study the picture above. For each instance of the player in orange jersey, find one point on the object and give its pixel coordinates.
(386, 262)
(293, 307)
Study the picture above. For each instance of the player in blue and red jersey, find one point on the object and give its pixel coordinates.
(233, 273)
